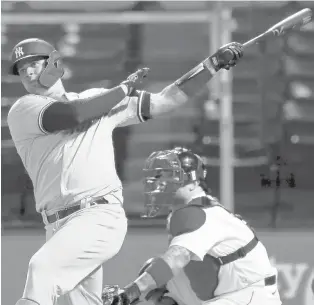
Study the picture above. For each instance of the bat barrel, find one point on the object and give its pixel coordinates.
(294, 21)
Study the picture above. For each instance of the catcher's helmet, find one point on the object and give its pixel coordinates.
(168, 170)
(34, 47)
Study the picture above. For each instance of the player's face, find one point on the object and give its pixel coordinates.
(162, 181)
(185, 191)
(29, 70)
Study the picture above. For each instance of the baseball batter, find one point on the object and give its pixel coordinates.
(65, 142)
(213, 257)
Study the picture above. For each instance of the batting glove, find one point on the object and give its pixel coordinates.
(227, 56)
(135, 80)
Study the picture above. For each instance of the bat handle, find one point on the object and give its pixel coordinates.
(258, 38)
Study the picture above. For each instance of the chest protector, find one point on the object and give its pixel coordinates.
(203, 275)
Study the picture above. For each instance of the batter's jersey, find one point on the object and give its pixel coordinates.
(210, 232)
(71, 165)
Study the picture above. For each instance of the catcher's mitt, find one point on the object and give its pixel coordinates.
(110, 295)
(114, 295)
(135, 80)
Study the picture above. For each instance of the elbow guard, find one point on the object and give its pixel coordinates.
(193, 81)
(160, 271)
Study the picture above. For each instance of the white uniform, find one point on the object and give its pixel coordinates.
(66, 167)
(219, 234)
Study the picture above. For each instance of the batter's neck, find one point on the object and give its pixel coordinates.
(56, 91)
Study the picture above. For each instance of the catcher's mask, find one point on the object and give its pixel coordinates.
(165, 172)
(34, 47)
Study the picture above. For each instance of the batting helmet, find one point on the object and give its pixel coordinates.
(168, 170)
(34, 47)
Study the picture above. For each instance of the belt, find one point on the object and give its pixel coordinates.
(271, 280)
(70, 210)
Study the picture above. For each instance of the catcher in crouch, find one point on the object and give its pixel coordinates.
(213, 257)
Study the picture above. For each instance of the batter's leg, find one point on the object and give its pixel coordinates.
(83, 243)
(87, 292)
(26, 302)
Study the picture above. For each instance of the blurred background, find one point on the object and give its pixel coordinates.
(272, 92)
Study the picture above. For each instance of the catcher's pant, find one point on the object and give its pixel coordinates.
(67, 268)
(257, 294)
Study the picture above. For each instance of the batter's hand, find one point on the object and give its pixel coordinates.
(135, 80)
(221, 61)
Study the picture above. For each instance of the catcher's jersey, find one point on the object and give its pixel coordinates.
(213, 232)
(68, 166)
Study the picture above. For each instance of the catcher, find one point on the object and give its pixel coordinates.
(213, 256)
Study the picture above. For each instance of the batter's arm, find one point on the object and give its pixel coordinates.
(192, 82)
(142, 106)
(67, 115)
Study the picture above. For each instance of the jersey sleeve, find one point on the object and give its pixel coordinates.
(190, 228)
(25, 117)
(131, 110)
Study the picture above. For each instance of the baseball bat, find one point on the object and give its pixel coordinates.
(294, 21)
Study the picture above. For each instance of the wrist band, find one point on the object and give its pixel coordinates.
(212, 64)
(193, 82)
(124, 88)
(160, 271)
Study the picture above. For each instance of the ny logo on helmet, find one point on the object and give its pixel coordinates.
(19, 52)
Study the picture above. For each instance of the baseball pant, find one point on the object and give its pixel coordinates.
(257, 294)
(67, 268)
